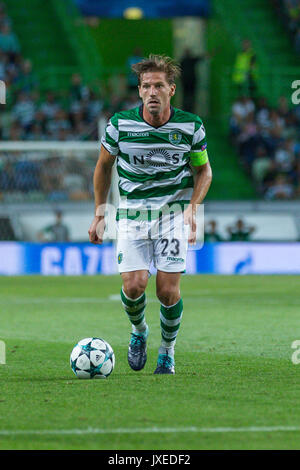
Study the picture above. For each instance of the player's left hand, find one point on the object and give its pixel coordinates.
(189, 217)
(96, 230)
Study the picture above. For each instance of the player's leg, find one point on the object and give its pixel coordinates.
(134, 298)
(134, 302)
(168, 293)
(134, 257)
(170, 250)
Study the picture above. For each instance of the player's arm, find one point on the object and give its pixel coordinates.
(102, 182)
(202, 177)
(202, 182)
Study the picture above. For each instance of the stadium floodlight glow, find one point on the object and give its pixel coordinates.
(133, 13)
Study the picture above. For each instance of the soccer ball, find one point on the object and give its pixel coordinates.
(92, 358)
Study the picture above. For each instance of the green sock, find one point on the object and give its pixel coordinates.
(170, 318)
(135, 309)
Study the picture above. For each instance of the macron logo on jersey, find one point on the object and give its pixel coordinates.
(138, 134)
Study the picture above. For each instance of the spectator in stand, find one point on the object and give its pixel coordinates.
(261, 165)
(276, 126)
(26, 81)
(36, 133)
(211, 234)
(281, 188)
(241, 108)
(284, 156)
(8, 41)
(247, 141)
(59, 122)
(269, 177)
(78, 91)
(240, 231)
(262, 112)
(50, 106)
(56, 232)
(283, 107)
(243, 66)
(24, 110)
(94, 107)
(12, 71)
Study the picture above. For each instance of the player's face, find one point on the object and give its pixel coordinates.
(156, 92)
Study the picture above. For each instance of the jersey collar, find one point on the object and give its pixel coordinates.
(141, 115)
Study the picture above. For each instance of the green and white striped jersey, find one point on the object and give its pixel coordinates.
(153, 164)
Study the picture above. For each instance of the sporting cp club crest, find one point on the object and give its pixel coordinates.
(120, 257)
(175, 137)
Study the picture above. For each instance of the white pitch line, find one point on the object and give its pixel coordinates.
(153, 430)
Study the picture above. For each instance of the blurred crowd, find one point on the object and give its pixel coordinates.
(288, 11)
(71, 114)
(56, 118)
(267, 138)
(39, 176)
(268, 143)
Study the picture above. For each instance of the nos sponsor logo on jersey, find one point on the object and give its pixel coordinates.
(157, 158)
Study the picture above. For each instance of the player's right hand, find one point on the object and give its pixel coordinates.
(190, 219)
(96, 230)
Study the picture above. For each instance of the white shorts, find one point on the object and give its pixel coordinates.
(163, 241)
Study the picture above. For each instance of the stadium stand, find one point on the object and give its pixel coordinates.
(263, 123)
(267, 141)
(288, 12)
(64, 102)
(58, 112)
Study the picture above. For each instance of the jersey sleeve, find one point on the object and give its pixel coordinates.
(110, 139)
(198, 153)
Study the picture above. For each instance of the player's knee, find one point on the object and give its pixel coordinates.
(168, 295)
(134, 287)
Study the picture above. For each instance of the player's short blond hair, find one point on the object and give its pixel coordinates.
(158, 63)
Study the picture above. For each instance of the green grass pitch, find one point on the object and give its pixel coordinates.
(233, 366)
